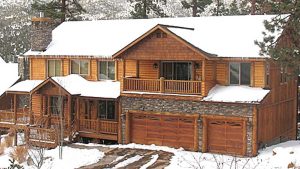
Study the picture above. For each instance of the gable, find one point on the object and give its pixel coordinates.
(161, 45)
(49, 87)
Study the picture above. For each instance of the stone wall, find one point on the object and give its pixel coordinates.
(189, 107)
(41, 34)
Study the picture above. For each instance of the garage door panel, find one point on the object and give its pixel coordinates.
(225, 136)
(175, 131)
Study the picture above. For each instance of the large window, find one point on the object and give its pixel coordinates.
(80, 67)
(106, 70)
(106, 110)
(56, 105)
(239, 73)
(54, 68)
(177, 70)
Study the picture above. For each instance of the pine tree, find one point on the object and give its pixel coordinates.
(143, 8)
(197, 6)
(59, 9)
(285, 48)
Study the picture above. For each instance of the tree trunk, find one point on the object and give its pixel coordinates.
(253, 8)
(144, 14)
(194, 6)
(63, 10)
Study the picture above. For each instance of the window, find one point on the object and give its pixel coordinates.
(106, 70)
(56, 105)
(283, 73)
(80, 67)
(177, 70)
(54, 68)
(239, 73)
(106, 110)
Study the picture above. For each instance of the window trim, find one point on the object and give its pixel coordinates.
(47, 67)
(240, 75)
(99, 69)
(80, 60)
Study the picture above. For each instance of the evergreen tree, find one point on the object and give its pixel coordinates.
(143, 8)
(59, 9)
(197, 6)
(285, 48)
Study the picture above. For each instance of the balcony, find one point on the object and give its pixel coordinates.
(162, 86)
(98, 126)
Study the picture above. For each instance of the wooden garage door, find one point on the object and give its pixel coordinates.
(163, 130)
(226, 136)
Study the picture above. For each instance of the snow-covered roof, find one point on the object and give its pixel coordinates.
(8, 75)
(25, 86)
(77, 85)
(236, 94)
(1, 60)
(224, 36)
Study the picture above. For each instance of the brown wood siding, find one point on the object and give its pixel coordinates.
(146, 70)
(36, 104)
(37, 68)
(93, 74)
(276, 117)
(131, 68)
(6, 101)
(66, 67)
(162, 48)
(258, 74)
(222, 73)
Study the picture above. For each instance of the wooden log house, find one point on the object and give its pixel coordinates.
(173, 82)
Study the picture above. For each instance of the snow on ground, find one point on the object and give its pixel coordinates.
(128, 161)
(152, 161)
(72, 158)
(285, 153)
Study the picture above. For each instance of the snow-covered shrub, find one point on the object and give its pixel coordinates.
(19, 154)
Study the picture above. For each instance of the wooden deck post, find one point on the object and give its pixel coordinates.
(162, 84)
(15, 109)
(77, 113)
(254, 131)
(48, 111)
(30, 111)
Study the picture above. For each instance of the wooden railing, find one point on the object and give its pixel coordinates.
(42, 137)
(98, 126)
(162, 86)
(7, 116)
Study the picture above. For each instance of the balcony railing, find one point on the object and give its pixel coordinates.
(98, 126)
(162, 86)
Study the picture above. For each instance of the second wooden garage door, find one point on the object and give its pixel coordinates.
(164, 130)
(226, 136)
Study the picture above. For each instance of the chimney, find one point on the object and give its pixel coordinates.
(41, 32)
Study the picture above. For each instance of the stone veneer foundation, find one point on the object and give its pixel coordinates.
(189, 107)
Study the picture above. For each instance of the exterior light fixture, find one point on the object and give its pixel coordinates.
(155, 66)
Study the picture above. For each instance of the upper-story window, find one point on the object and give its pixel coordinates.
(106, 70)
(239, 73)
(177, 70)
(80, 67)
(54, 68)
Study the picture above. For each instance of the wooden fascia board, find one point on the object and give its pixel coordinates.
(52, 81)
(167, 31)
(17, 92)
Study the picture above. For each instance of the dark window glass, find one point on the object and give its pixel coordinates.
(107, 70)
(80, 67)
(111, 110)
(177, 70)
(234, 73)
(102, 109)
(54, 68)
(245, 73)
(56, 103)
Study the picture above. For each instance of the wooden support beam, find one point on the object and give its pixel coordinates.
(30, 111)
(77, 113)
(162, 84)
(119, 113)
(69, 111)
(15, 108)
